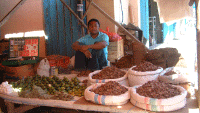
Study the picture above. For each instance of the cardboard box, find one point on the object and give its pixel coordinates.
(42, 47)
(115, 50)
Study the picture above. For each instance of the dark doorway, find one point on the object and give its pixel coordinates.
(155, 27)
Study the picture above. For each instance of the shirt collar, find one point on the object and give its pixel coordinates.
(98, 34)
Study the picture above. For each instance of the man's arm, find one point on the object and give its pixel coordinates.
(76, 46)
(97, 45)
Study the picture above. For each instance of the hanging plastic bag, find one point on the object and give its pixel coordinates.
(113, 37)
(43, 68)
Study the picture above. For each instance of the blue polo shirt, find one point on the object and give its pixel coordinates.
(88, 40)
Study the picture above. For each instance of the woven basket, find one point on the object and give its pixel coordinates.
(20, 71)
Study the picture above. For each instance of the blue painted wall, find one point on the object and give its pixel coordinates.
(144, 13)
(168, 29)
(61, 26)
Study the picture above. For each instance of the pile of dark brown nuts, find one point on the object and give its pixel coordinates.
(145, 66)
(84, 73)
(110, 88)
(159, 90)
(125, 62)
(109, 73)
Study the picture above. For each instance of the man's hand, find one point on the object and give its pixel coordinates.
(88, 54)
(78, 47)
(84, 47)
(98, 45)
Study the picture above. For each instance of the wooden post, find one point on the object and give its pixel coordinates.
(87, 9)
(81, 15)
(198, 45)
(73, 13)
(4, 20)
(10, 107)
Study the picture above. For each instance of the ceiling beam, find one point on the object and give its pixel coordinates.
(11, 12)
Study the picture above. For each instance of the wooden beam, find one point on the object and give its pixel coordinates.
(87, 9)
(81, 21)
(10, 13)
(198, 45)
(116, 23)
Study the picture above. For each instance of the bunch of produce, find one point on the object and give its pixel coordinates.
(109, 73)
(52, 85)
(62, 96)
(36, 92)
(110, 88)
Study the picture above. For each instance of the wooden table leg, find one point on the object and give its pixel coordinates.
(10, 106)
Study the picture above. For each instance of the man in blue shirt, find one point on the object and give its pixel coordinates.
(91, 50)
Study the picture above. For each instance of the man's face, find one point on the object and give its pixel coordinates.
(93, 27)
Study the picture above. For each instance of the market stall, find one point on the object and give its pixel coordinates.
(129, 95)
(131, 76)
(79, 103)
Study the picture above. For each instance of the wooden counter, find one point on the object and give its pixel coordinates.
(81, 104)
